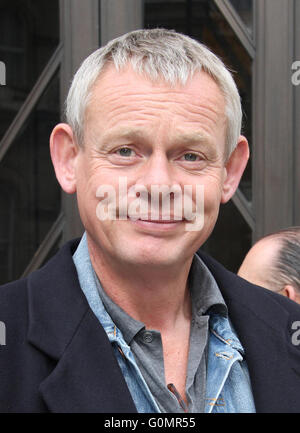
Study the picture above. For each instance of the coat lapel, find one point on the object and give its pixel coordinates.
(86, 376)
(267, 357)
(263, 321)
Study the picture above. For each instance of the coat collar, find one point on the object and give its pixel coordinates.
(263, 321)
(87, 377)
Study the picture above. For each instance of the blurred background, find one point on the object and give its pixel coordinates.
(42, 43)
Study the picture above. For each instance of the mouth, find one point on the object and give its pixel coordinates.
(157, 218)
(160, 221)
(157, 224)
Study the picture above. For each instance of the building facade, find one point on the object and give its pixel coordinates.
(43, 42)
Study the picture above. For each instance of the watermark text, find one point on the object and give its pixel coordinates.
(296, 74)
(2, 334)
(2, 74)
(157, 203)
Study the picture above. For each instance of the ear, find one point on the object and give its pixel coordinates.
(64, 150)
(235, 167)
(290, 292)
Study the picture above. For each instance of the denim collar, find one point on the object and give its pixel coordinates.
(205, 294)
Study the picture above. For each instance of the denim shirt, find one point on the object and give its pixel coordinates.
(228, 387)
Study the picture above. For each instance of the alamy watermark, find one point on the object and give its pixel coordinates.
(2, 74)
(2, 334)
(296, 74)
(159, 203)
(296, 335)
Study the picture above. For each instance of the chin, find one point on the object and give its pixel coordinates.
(144, 255)
(153, 262)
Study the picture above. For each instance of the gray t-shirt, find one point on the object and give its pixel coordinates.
(146, 344)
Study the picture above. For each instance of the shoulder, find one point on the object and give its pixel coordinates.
(15, 296)
(238, 290)
(31, 310)
(13, 299)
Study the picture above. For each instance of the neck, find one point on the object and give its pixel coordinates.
(157, 297)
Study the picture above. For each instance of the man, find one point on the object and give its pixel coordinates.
(130, 318)
(274, 262)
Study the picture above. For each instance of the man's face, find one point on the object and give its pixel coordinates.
(151, 134)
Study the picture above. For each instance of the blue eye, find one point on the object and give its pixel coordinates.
(125, 151)
(190, 157)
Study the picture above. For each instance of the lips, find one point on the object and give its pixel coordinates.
(157, 227)
(161, 221)
(158, 221)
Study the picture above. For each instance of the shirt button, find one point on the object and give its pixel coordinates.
(147, 337)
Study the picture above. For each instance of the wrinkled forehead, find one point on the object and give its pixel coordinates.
(113, 89)
(124, 100)
(110, 77)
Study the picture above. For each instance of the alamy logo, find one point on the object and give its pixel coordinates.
(2, 334)
(2, 74)
(296, 75)
(296, 334)
(160, 203)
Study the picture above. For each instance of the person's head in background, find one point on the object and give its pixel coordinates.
(274, 263)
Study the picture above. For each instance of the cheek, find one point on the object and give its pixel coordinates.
(213, 194)
(86, 187)
(89, 178)
(212, 186)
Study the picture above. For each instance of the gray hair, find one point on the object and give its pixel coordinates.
(157, 53)
(286, 266)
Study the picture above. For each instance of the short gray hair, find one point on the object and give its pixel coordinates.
(286, 266)
(157, 53)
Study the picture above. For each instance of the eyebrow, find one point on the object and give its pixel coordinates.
(192, 138)
(128, 134)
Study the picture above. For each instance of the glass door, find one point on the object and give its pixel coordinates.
(29, 108)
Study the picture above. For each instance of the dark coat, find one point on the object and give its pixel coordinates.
(58, 358)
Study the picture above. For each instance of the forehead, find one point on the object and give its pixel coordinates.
(127, 80)
(119, 98)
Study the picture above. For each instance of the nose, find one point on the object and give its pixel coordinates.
(163, 192)
(156, 171)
